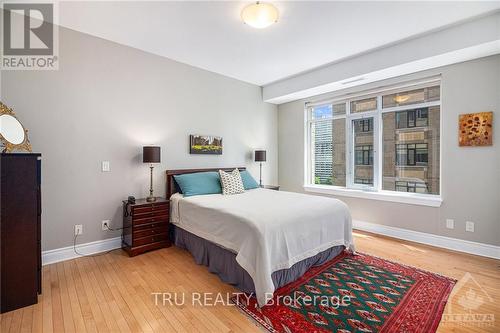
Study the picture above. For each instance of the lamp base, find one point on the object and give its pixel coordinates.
(151, 199)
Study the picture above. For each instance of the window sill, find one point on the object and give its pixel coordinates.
(400, 197)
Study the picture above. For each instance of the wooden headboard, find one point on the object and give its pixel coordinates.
(171, 189)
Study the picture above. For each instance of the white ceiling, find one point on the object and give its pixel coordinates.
(210, 35)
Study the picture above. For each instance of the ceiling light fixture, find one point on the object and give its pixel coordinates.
(260, 15)
(401, 98)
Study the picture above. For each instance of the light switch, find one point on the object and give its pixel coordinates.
(469, 226)
(105, 166)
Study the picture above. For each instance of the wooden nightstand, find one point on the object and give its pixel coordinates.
(271, 187)
(145, 226)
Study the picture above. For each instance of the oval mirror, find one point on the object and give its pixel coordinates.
(11, 129)
(13, 136)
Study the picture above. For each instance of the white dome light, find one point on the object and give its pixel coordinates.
(259, 15)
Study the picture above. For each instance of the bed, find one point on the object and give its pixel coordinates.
(259, 240)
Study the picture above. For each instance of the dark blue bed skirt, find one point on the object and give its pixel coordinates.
(223, 262)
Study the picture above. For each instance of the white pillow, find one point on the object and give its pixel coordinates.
(231, 182)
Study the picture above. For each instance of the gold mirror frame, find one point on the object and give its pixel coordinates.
(10, 147)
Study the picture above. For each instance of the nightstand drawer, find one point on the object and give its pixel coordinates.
(158, 229)
(153, 213)
(146, 226)
(150, 239)
(161, 218)
(142, 209)
(150, 209)
(161, 206)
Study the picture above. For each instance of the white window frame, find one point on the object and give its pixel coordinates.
(374, 192)
(350, 149)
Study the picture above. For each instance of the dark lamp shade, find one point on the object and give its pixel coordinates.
(260, 156)
(150, 154)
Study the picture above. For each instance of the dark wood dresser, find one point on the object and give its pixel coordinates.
(20, 233)
(145, 226)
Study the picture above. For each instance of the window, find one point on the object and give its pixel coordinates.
(411, 149)
(412, 118)
(411, 97)
(412, 154)
(363, 141)
(414, 187)
(365, 125)
(327, 128)
(364, 155)
(389, 141)
(363, 181)
(362, 105)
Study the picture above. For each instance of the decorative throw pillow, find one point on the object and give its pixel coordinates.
(198, 183)
(248, 181)
(231, 182)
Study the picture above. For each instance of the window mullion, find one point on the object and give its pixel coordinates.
(378, 153)
(349, 147)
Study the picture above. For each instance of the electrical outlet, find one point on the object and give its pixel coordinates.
(450, 223)
(469, 226)
(105, 166)
(78, 229)
(105, 225)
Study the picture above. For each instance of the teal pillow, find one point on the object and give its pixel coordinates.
(199, 183)
(248, 181)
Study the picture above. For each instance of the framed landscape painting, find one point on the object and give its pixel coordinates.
(205, 144)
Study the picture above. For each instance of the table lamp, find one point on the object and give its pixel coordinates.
(260, 156)
(151, 154)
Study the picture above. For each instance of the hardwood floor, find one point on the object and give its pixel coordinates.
(114, 292)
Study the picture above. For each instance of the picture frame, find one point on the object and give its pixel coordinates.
(205, 144)
(475, 129)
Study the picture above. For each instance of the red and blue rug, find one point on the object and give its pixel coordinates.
(355, 293)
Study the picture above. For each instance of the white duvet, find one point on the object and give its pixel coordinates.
(268, 230)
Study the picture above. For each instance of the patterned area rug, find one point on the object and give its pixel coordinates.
(355, 293)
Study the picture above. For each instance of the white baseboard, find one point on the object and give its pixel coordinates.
(67, 253)
(485, 250)
(461, 245)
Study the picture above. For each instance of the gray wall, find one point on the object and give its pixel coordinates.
(470, 176)
(105, 102)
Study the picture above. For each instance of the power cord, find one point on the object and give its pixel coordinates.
(90, 255)
(117, 229)
(101, 253)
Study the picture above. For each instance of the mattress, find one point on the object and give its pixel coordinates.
(267, 230)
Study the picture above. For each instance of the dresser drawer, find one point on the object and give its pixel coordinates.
(153, 219)
(147, 226)
(158, 229)
(150, 239)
